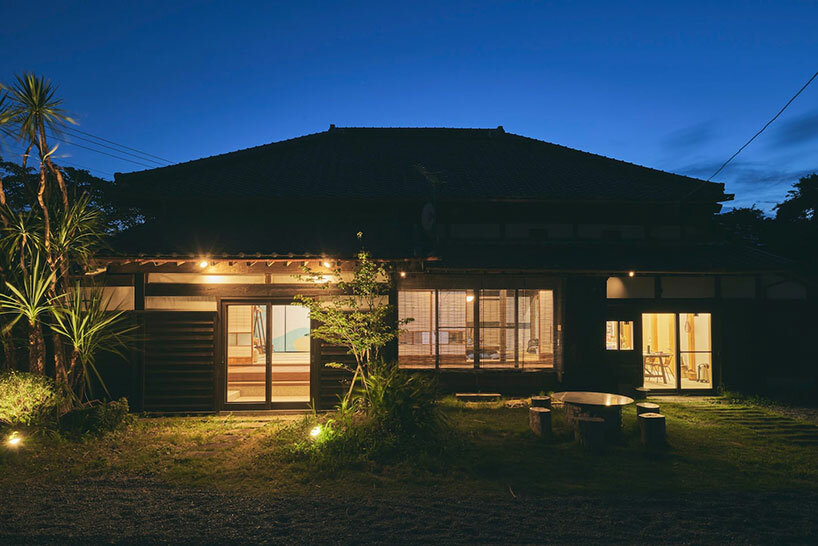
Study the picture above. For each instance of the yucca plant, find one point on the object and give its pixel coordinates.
(30, 301)
(84, 320)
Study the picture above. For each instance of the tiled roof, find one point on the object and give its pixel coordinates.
(405, 163)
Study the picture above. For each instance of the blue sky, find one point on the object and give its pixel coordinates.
(675, 86)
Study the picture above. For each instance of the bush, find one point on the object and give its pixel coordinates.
(97, 418)
(29, 400)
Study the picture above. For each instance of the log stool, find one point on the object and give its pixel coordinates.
(590, 432)
(640, 393)
(652, 429)
(539, 419)
(541, 402)
(646, 407)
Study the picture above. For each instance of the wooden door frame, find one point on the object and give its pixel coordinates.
(221, 358)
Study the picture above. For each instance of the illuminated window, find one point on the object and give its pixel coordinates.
(516, 328)
(619, 335)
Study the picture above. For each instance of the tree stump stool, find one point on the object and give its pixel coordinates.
(541, 402)
(646, 407)
(640, 393)
(590, 432)
(539, 420)
(652, 429)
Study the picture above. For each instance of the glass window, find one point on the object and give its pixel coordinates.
(659, 350)
(611, 335)
(535, 328)
(625, 335)
(456, 319)
(497, 343)
(516, 328)
(695, 351)
(246, 353)
(416, 344)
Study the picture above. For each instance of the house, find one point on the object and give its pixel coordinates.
(526, 266)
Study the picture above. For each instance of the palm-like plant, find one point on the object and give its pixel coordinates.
(84, 320)
(31, 301)
(33, 108)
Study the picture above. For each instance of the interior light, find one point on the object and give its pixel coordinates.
(631, 273)
(14, 439)
(315, 431)
(327, 264)
(469, 298)
(203, 264)
(403, 274)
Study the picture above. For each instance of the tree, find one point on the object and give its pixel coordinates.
(357, 317)
(801, 204)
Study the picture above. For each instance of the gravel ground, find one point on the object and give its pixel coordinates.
(138, 511)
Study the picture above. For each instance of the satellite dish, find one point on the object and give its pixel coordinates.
(428, 218)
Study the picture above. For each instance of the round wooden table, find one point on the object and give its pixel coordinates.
(594, 404)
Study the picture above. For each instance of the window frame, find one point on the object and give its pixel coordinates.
(518, 363)
(618, 334)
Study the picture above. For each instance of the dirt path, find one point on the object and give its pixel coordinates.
(135, 511)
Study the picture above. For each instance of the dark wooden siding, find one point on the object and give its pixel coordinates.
(179, 361)
(333, 382)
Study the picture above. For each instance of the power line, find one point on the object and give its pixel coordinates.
(763, 128)
(109, 147)
(21, 151)
(103, 153)
(72, 129)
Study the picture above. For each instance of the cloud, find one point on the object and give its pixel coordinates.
(690, 138)
(751, 182)
(795, 132)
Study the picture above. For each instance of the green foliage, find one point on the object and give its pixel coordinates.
(27, 399)
(84, 320)
(96, 418)
(30, 299)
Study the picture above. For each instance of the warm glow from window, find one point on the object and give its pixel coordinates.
(619, 335)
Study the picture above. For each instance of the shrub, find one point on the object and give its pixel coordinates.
(97, 418)
(29, 400)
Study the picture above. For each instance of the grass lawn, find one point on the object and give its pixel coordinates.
(713, 446)
(744, 455)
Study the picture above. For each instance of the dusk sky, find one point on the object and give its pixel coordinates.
(677, 88)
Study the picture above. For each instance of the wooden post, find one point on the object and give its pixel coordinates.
(539, 419)
(652, 429)
(590, 432)
(646, 407)
(541, 402)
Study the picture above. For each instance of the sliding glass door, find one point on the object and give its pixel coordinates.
(267, 354)
(677, 351)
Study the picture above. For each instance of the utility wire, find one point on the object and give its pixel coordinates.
(103, 153)
(72, 129)
(108, 147)
(763, 128)
(21, 151)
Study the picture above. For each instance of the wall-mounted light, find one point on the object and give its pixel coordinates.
(631, 273)
(403, 274)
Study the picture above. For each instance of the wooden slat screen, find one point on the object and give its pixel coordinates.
(179, 361)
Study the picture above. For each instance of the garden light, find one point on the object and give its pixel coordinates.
(315, 431)
(14, 439)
